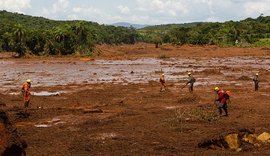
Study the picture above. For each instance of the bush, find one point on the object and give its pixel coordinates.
(262, 42)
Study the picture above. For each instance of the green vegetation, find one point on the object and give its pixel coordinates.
(262, 42)
(40, 36)
(247, 32)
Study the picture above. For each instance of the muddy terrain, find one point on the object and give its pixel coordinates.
(110, 104)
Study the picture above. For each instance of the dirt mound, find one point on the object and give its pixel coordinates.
(189, 99)
(211, 71)
(10, 142)
(243, 140)
(3, 104)
(244, 78)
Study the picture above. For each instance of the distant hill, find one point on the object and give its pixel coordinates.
(128, 25)
(170, 26)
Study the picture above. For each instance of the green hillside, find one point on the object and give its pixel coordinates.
(245, 32)
(41, 36)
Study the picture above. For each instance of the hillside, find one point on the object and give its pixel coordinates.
(20, 32)
(246, 32)
(128, 25)
(41, 36)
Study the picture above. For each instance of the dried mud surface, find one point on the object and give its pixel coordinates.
(111, 105)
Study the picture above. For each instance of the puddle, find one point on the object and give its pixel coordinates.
(43, 93)
(171, 107)
(15, 93)
(43, 126)
(50, 123)
(53, 73)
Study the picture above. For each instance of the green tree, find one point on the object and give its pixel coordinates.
(19, 40)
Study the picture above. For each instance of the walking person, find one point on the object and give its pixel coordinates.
(221, 100)
(26, 93)
(162, 82)
(256, 81)
(190, 82)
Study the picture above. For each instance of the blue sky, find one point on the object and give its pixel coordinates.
(140, 11)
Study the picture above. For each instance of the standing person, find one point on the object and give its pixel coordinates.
(256, 81)
(221, 100)
(162, 82)
(191, 81)
(26, 93)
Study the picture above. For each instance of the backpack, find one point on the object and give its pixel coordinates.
(227, 95)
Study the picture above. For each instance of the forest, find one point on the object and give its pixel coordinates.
(248, 32)
(40, 36)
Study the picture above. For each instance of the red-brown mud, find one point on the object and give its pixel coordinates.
(112, 105)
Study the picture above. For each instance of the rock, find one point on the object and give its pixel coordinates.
(264, 137)
(233, 141)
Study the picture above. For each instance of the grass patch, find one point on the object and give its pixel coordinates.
(181, 118)
(262, 42)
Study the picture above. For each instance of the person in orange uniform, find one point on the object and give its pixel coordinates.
(26, 92)
(162, 82)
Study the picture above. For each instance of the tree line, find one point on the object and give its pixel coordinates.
(21, 33)
(246, 32)
(40, 36)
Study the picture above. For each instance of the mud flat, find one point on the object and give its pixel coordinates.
(112, 105)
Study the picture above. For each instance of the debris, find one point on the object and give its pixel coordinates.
(264, 137)
(92, 111)
(244, 140)
(233, 141)
(250, 138)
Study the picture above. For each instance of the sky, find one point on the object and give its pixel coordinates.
(150, 12)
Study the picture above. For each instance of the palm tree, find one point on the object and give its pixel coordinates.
(19, 39)
(19, 33)
(81, 32)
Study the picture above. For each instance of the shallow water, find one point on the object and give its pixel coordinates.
(43, 93)
(52, 73)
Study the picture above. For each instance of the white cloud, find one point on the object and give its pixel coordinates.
(256, 8)
(124, 9)
(58, 8)
(92, 14)
(141, 11)
(15, 5)
(164, 7)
